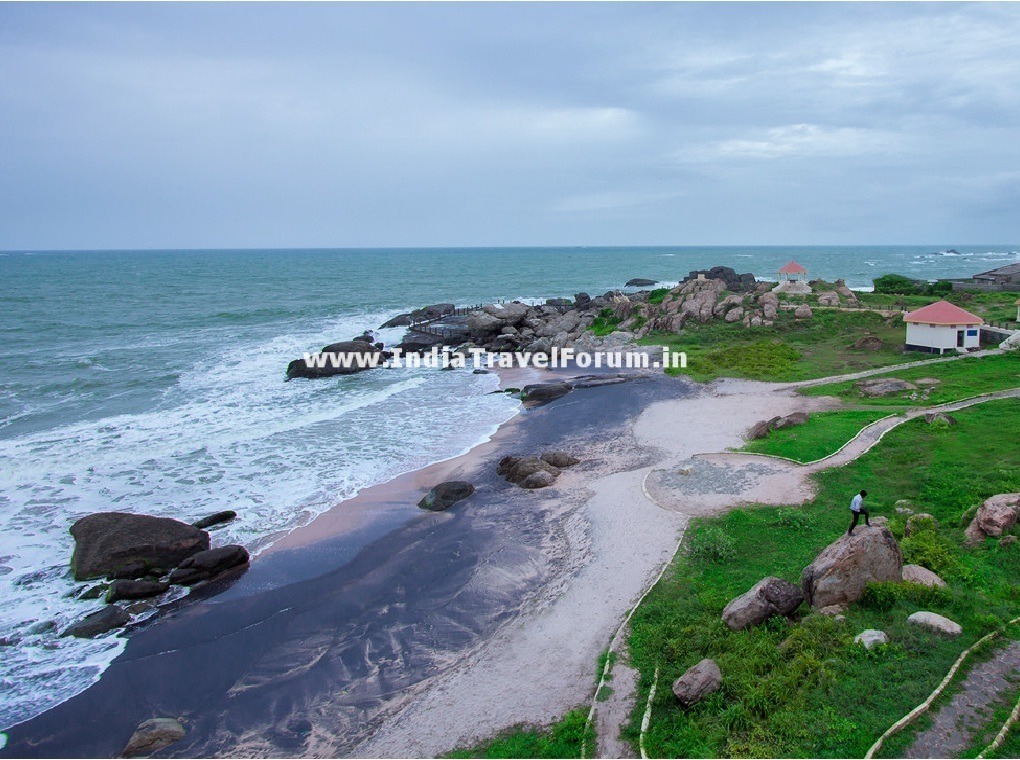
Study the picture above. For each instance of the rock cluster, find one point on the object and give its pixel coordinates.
(141, 556)
(344, 358)
(883, 386)
(535, 472)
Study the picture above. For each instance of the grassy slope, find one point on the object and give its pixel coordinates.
(806, 691)
(791, 350)
(959, 380)
(823, 434)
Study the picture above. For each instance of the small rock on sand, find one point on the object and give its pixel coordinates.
(152, 735)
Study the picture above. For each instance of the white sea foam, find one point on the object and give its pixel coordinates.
(229, 435)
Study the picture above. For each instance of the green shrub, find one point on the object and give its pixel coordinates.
(791, 518)
(898, 284)
(929, 549)
(658, 295)
(884, 595)
(605, 322)
(711, 545)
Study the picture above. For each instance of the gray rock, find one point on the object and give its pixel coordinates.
(545, 392)
(126, 589)
(98, 623)
(522, 471)
(152, 735)
(108, 541)
(435, 311)
(803, 312)
(344, 358)
(217, 519)
(445, 495)
(559, 459)
(401, 320)
(769, 596)
(538, 479)
(883, 386)
(698, 682)
(934, 622)
(936, 418)
(922, 576)
(208, 564)
(841, 571)
(994, 517)
(482, 323)
(640, 282)
(871, 638)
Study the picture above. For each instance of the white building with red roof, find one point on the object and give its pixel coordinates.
(942, 326)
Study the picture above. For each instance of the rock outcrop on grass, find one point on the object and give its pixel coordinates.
(876, 387)
(994, 517)
(768, 597)
(922, 576)
(840, 573)
(697, 683)
(871, 638)
(763, 427)
(932, 621)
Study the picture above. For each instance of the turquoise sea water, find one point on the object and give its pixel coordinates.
(152, 381)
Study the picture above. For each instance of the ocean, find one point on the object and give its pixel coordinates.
(153, 382)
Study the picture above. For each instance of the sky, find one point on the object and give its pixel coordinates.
(265, 125)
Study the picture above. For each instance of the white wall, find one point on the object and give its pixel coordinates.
(941, 336)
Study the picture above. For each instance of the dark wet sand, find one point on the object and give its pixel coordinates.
(338, 623)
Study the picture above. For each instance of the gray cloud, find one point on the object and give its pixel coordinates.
(473, 124)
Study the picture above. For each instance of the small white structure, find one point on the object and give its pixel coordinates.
(941, 327)
(792, 279)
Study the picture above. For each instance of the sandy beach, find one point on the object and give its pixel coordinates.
(379, 630)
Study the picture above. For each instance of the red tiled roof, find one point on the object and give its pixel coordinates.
(793, 268)
(943, 313)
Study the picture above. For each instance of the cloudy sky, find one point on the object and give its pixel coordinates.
(276, 125)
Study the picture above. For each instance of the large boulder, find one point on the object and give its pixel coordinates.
(640, 282)
(698, 682)
(345, 358)
(434, 311)
(109, 541)
(445, 495)
(841, 571)
(994, 517)
(129, 589)
(401, 320)
(208, 564)
(803, 312)
(922, 576)
(883, 386)
(769, 596)
(543, 393)
(934, 622)
(98, 623)
(152, 735)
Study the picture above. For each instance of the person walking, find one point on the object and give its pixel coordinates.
(857, 508)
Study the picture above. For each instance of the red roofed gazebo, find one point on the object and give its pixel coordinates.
(941, 327)
(793, 279)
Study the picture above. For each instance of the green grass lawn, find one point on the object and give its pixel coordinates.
(823, 434)
(961, 379)
(805, 690)
(791, 350)
(562, 739)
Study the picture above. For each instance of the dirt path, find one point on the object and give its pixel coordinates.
(960, 721)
